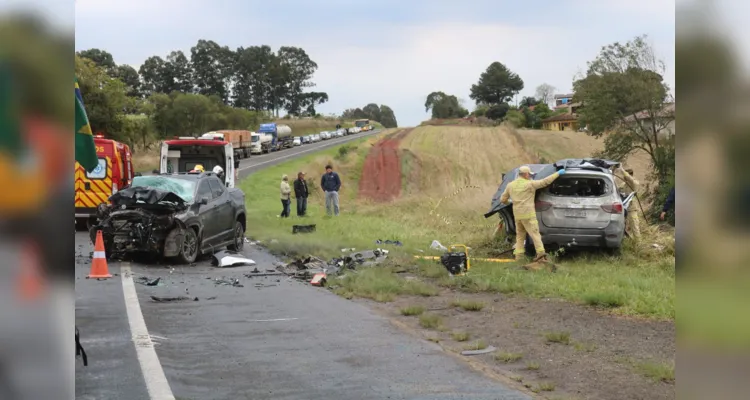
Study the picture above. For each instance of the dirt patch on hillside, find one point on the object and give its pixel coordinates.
(381, 173)
(554, 348)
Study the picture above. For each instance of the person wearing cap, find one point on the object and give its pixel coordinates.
(301, 193)
(285, 193)
(629, 185)
(522, 192)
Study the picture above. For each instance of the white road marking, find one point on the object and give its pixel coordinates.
(156, 382)
(272, 320)
(305, 151)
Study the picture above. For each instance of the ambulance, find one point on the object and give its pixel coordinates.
(114, 172)
(182, 154)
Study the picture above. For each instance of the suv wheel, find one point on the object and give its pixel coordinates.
(190, 247)
(239, 238)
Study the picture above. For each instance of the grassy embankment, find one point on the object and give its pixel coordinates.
(436, 162)
(147, 160)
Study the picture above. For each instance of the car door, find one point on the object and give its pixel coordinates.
(207, 213)
(224, 212)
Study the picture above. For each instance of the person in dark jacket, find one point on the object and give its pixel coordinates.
(669, 204)
(331, 183)
(301, 193)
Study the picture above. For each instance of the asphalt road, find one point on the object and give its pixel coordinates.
(281, 340)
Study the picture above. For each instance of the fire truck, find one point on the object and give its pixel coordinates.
(114, 172)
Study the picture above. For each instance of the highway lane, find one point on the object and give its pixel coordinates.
(273, 338)
(257, 162)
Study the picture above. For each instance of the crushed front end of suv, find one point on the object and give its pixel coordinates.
(582, 208)
(178, 215)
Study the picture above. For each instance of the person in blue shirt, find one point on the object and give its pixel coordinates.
(331, 183)
(669, 204)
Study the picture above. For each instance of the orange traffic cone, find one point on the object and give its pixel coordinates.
(99, 267)
(30, 282)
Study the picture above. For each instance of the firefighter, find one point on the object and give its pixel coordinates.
(522, 192)
(628, 185)
(219, 172)
(198, 168)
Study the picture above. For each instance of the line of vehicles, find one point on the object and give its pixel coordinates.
(149, 216)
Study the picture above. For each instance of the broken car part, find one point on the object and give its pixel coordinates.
(303, 229)
(228, 258)
(489, 349)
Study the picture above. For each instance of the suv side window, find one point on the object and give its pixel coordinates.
(203, 190)
(217, 189)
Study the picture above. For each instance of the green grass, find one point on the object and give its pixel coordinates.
(657, 371)
(625, 285)
(429, 321)
(546, 387)
(585, 347)
(508, 357)
(631, 284)
(460, 336)
(381, 284)
(558, 337)
(532, 366)
(468, 305)
(412, 310)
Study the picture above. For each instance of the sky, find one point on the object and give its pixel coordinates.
(392, 52)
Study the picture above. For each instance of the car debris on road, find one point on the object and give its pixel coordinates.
(307, 268)
(228, 258)
(172, 299)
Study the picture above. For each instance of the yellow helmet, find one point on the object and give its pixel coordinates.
(198, 168)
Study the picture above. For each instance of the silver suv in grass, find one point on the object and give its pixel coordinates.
(582, 208)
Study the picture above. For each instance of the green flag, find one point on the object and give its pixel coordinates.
(85, 148)
(10, 126)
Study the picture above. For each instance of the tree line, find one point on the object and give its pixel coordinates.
(381, 113)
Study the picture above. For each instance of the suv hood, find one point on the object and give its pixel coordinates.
(542, 171)
(148, 198)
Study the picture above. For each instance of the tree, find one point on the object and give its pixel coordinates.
(310, 100)
(625, 97)
(130, 77)
(498, 111)
(545, 93)
(388, 119)
(372, 111)
(178, 73)
(213, 67)
(252, 76)
(496, 85)
(154, 77)
(528, 102)
(444, 106)
(105, 97)
(299, 68)
(101, 58)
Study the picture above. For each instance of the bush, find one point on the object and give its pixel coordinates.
(498, 111)
(516, 118)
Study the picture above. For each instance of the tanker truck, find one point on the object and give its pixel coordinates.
(281, 135)
(261, 143)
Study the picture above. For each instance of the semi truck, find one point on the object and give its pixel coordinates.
(281, 135)
(241, 140)
(260, 143)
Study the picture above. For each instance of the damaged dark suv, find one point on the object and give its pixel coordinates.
(177, 215)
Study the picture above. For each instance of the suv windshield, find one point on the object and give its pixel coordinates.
(572, 186)
(181, 187)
